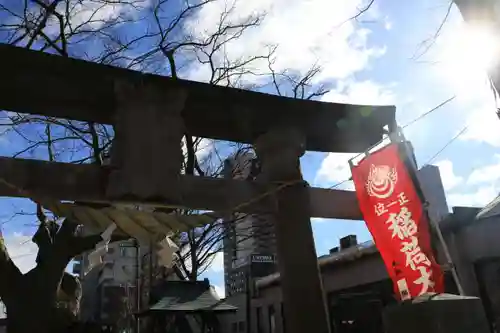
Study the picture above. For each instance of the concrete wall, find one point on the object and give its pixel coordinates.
(477, 241)
(365, 270)
(433, 190)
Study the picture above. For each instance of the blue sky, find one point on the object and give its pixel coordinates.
(373, 60)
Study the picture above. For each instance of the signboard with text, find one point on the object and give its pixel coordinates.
(262, 258)
(394, 214)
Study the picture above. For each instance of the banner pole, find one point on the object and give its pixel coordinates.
(445, 251)
(399, 137)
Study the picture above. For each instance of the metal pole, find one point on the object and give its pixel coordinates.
(151, 246)
(446, 253)
(137, 283)
(249, 296)
(399, 138)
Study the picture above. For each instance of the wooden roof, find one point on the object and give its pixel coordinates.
(40, 83)
(187, 297)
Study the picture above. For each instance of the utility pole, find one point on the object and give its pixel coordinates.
(484, 13)
(137, 283)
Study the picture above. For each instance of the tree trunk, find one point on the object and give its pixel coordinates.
(32, 309)
(32, 299)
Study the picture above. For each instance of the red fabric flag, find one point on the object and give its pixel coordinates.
(394, 214)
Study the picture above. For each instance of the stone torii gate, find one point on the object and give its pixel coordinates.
(150, 114)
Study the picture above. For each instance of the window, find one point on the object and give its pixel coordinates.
(234, 327)
(272, 319)
(123, 251)
(241, 326)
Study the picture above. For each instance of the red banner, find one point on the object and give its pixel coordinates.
(394, 214)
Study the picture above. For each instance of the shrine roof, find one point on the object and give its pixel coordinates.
(51, 85)
(187, 297)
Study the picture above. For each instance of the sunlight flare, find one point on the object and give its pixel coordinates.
(466, 55)
(473, 47)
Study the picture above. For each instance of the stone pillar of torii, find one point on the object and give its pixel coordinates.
(279, 152)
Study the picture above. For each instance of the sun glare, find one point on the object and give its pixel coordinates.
(467, 54)
(477, 47)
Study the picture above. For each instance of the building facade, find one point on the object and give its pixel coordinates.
(249, 243)
(109, 291)
(472, 238)
(356, 284)
(249, 248)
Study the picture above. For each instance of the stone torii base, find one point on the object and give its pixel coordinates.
(443, 313)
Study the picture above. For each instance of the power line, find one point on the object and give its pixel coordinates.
(462, 131)
(423, 115)
(340, 183)
(448, 144)
(430, 111)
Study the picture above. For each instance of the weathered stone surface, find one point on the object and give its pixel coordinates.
(279, 152)
(146, 156)
(85, 92)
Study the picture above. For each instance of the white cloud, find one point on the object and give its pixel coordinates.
(481, 186)
(334, 169)
(361, 92)
(221, 291)
(387, 24)
(486, 174)
(478, 198)
(22, 250)
(450, 180)
(483, 124)
(95, 14)
(203, 149)
(306, 33)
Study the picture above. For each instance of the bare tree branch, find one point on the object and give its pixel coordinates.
(360, 12)
(427, 44)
